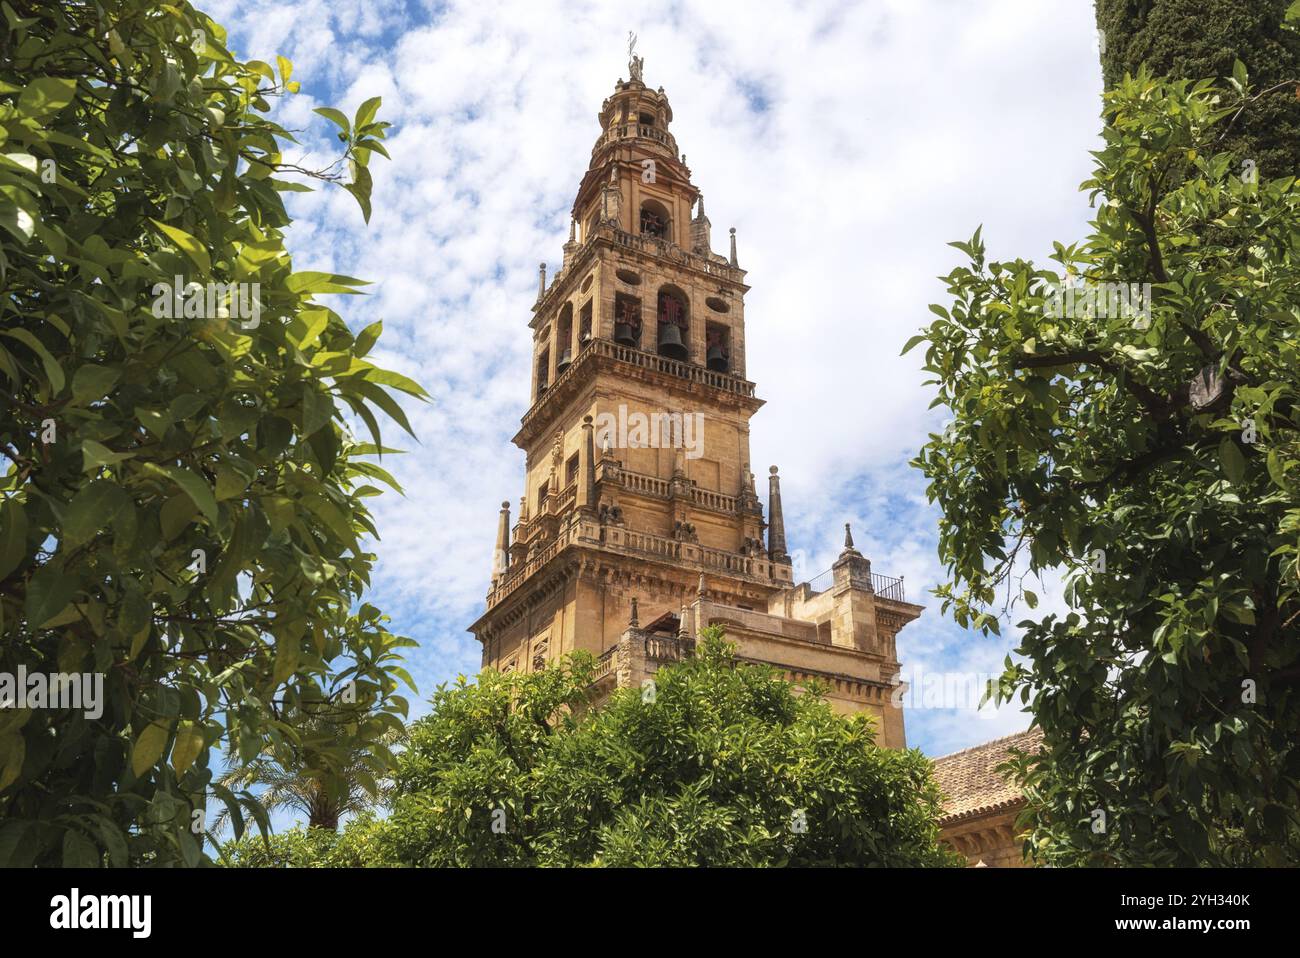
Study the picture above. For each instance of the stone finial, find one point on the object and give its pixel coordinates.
(699, 592)
(849, 553)
(571, 247)
(682, 631)
(776, 520)
(632, 622)
(501, 557)
(733, 248)
(541, 281)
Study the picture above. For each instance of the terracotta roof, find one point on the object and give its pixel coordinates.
(668, 622)
(968, 780)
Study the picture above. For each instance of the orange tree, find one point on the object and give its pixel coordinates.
(1148, 444)
(716, 762)
(182, 509)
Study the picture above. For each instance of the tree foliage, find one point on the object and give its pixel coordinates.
(1191, 39)
(718, 763)
(183, 504)
(332, 768)
(1151, 455)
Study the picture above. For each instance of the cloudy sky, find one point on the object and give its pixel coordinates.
(847, 143)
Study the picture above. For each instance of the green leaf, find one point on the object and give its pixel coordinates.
(366, 112)
(96, 456)
(335, 117)
(48, 593)
(309, 282)
(114, 841)
(46, 95)
(93, 508)
(911, 343)
(189, 744)
(79, 851)
(13, 752)
(1234, 464)
(387, 377)
(287, 652)
(18, 220)
(149, 747)
(196, 488)
(367, 337)
(1276, 470)
(361, 187)
(92, 382)
(1239, 72)
(53, 371)
(189, 245)
(13, 535)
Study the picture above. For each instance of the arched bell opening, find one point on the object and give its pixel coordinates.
(543, 372)
(655, 221)
(674, 326)
(564, 339)
(717, 355)
(627, 320)
(584, 326)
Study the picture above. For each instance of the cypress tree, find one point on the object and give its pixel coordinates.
(1198, 39)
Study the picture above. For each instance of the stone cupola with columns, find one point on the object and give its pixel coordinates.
(640, 522)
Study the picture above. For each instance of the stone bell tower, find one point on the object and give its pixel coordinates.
(640, 521)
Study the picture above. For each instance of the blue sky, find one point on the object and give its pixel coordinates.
(847, 143)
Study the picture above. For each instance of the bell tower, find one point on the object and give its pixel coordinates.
(640, 521)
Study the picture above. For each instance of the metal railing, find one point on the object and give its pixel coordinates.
(887, 587)
(884, 586)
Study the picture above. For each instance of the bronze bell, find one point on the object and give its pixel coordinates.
(716, 360)
(623, 334)
(670, 341)
(565, 361)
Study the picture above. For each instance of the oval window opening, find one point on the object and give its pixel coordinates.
(629, 277)
(717, 305)
(586, 284)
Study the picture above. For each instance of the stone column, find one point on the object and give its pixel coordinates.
(586, 498)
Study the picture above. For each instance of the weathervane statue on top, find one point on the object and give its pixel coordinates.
(634, 63)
